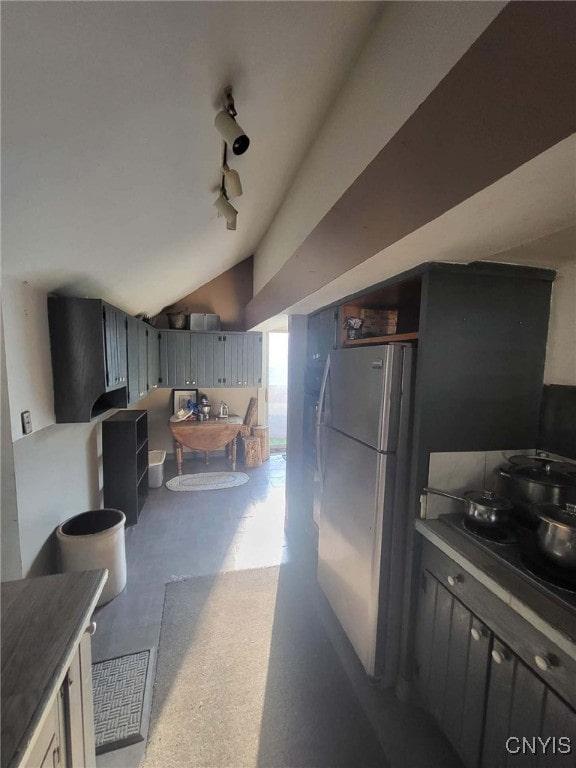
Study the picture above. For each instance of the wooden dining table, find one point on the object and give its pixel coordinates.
(207, 436)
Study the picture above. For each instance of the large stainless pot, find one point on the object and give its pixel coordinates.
(557, 532)
(484, 507)
(539, 483)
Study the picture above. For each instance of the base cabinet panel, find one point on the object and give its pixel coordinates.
(496, 710)
(452, 651)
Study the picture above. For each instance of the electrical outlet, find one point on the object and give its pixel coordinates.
(26, 422)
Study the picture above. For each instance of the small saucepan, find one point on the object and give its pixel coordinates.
(484, 507)
(557, 532)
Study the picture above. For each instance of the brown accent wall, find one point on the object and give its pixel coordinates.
(507, 100)
(227, 295)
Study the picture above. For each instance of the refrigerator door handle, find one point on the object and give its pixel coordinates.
(320, 420)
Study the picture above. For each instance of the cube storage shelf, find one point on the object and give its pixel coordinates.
(125, 462)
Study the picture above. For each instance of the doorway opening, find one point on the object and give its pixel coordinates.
(277, 390)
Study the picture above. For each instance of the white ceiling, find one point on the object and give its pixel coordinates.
(109, 154)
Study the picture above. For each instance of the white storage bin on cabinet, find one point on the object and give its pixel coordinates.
(156, 468)
(93, 540)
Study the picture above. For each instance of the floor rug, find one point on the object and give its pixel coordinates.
(207, 481)
(121, 687)
(247, 677)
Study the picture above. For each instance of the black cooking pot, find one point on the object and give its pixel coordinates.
(539, 482)
(484, 507)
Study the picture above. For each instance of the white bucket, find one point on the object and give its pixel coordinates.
(93, 540)
(156, 468)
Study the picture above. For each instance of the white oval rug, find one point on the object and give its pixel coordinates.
(207, 481)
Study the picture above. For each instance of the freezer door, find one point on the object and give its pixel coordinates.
(364, 390)
(350, 535)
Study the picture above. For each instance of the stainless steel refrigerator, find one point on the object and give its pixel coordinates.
(363, 442)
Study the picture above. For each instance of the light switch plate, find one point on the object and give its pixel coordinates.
(26, 422)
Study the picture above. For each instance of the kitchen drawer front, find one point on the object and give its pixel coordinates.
(533, 647)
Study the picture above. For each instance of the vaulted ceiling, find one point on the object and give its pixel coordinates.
(110, 159)
(110, 156)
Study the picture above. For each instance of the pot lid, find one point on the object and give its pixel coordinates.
(565, 515)
(488, 499)
(547, 474)
(542, 461)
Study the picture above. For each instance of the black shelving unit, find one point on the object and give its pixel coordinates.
(125, 462)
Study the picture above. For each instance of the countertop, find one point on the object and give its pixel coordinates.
(43, 620)
(555, 621)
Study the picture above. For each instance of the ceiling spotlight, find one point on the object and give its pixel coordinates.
(227, 210)
(231, 181)
(228, 128)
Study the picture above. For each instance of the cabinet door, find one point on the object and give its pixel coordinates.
(234, 351)
(222, 366)
(142, 359)
(452, 653)
(80, 709)
(110, 350)
(521, 714)
(321, 334)
(153, 359)
(178, 353)
(132, 345)
(203, 370)
(121, 348)
(252, 359)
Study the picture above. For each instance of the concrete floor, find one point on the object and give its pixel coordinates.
(183, 535)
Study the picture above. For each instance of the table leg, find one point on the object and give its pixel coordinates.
(234, 455)
(179, 457)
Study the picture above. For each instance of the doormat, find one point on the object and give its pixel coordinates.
(207, 481)
(121, 700)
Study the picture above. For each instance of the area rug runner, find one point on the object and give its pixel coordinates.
(120, 688)
(207, 481)
(247, 677)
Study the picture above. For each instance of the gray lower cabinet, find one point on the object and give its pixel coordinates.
(522, 713)
(479, 677)
(453, 652)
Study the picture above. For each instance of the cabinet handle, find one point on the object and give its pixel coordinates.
(453, 580)
(238, 382)
(193, 382)
(477, 634)
(544, 662)
(187, 381)
(91, 628)
(499, 656)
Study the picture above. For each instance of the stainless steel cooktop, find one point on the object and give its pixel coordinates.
(517, 547)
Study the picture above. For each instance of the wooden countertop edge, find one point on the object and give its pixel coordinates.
(18, 759)
(437, 533)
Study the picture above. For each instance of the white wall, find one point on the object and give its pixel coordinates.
(10, 558)
(25, 316)
(57, 476)
(57, 469)
(412, 48)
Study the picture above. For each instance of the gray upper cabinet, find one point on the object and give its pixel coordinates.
(89, 357)
(153, 344)
(322, 329)
(212, 359)
(132, 343)
(115, 347)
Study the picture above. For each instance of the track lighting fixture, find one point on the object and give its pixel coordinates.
(226, 208)
(228, 128)
(234, 137)
(231, 181)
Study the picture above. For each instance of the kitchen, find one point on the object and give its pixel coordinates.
(532, 204)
